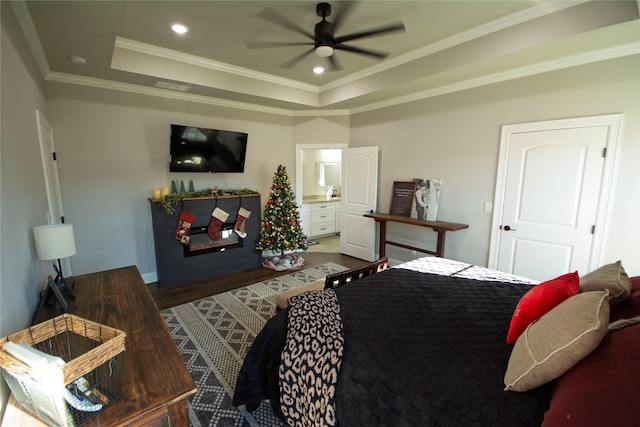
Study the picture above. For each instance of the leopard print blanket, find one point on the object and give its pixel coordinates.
(311, 359)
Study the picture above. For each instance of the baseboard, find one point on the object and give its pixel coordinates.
(150, 277)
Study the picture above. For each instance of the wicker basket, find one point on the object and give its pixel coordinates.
(94, 357)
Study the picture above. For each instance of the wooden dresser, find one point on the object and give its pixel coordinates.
(155, 380)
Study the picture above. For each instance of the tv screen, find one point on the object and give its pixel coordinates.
(195, 149)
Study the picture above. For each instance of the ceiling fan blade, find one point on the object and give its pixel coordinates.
(367, 52)
(267, 45)
(275, 18)
(292, 62)
(334, 64)
(374, 32)
(342, 13)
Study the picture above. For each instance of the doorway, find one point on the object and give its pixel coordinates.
(312, 174)
(328, 244)
(552, 195)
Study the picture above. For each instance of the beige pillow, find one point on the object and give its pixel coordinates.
(611, 277)
(558, 340)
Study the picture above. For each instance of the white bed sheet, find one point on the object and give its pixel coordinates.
(449, 267)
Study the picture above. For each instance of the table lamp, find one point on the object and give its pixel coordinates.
(55, 241)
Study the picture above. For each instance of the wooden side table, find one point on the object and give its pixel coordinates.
(155, 380)
(439, 227)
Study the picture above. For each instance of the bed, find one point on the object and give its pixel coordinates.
(424, 343)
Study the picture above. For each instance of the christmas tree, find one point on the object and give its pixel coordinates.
(280, 230)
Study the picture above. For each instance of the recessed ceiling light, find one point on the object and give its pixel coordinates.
(318, 70)
(179, 28)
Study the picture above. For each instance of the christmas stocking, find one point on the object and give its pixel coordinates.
(218, 217)
(241, 222)
(185, 219)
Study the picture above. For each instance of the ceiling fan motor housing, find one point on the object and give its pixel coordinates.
(323, 34)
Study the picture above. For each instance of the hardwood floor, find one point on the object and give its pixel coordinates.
(326, 251)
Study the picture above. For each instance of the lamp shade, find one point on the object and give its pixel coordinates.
(54, 241)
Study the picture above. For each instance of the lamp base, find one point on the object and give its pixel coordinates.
(63, 284)
(54, 289)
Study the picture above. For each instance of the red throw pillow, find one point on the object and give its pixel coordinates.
(539, 300)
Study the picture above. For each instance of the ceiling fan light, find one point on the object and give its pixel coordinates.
(324, 51)
(179, 28)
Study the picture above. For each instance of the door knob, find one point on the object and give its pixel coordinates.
(507, 228)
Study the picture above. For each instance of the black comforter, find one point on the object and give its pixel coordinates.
(420, 349)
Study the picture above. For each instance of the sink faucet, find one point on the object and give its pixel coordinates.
(330, 191)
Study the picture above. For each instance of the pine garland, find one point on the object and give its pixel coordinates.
(281, 230)
(169, 201)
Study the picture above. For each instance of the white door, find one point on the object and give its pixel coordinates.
(551, 196)
(359, 196)
(52, 184)
(55, 213)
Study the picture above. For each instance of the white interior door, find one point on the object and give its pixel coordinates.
(551, 197)
(52, 184)
(359, 196)
(55, 213)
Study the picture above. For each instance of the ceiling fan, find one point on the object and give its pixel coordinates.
(323, 40)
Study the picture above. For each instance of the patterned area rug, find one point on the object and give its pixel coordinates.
(214, 334)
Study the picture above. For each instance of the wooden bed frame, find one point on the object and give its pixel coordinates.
(333, 281)
(338, 279)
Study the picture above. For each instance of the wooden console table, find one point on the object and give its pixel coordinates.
(155, 380)
(439, 227)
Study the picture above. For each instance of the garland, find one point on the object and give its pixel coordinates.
(169, 201)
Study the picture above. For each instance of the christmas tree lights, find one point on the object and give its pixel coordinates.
(280, 230)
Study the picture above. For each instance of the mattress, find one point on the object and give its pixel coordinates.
(420, 348)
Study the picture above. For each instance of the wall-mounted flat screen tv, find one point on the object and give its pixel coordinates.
(195, 149)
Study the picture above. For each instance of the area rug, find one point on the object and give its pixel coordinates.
(214, 334)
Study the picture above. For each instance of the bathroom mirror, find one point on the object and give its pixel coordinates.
(329, 174)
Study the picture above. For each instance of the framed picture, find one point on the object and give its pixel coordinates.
(402, 198)
(426, 198)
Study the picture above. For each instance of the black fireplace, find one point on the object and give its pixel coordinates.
(201, 243)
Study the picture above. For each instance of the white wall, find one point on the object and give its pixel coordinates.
(456, 137)
(23, 200)
(331, 129)
(113, 150)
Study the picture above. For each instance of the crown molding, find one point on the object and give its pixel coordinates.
(30, 33)
(199, 61)
(455, 40)
(321, 113)
(26, 24)
(162, 93)
(516, 73)
(571, 61)
(181, 96)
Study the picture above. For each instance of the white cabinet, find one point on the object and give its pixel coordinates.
(305, 218)
(323, 218)
(338, 217)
